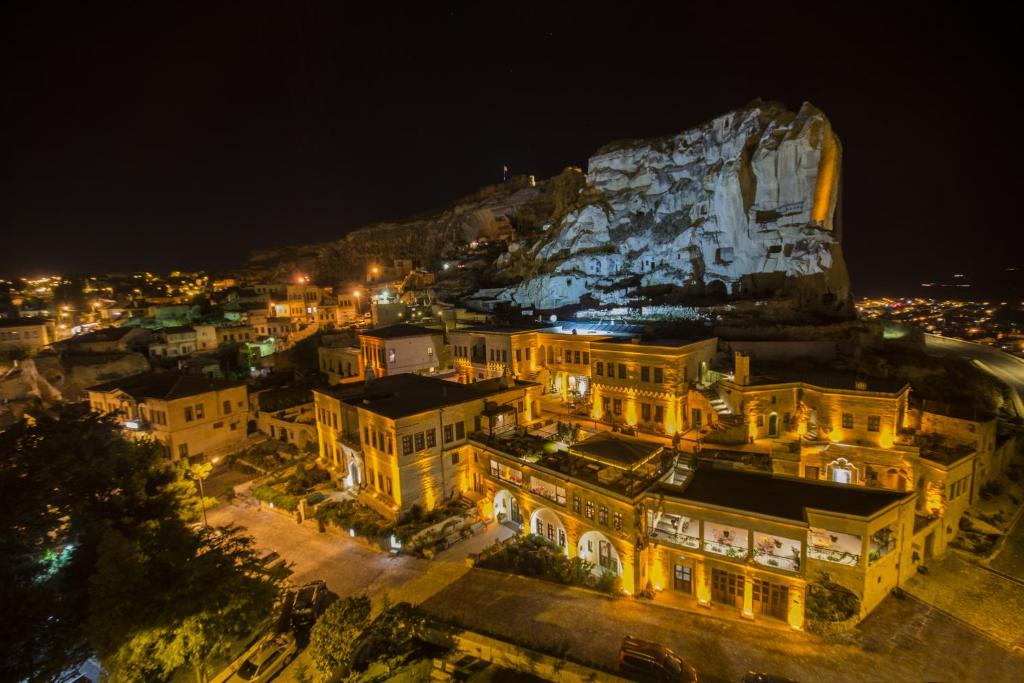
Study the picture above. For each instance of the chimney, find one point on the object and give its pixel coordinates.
(741, 369)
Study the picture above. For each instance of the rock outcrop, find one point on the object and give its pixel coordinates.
(743, 206)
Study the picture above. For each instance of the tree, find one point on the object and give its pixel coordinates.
(95, 553)
(335, 632)
(165, 610)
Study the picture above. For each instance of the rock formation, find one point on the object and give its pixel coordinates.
(743, 207)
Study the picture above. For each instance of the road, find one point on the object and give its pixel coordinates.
(1001, 365)
(903, 640)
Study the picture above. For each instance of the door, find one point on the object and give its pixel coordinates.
(604, 555)
(696, 418)
(929, 546)
(727, 588)
(811, 472)
(682, 579)
(773, 425)
(514, 514)
(770, 599)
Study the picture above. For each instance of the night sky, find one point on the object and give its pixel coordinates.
(175, 135)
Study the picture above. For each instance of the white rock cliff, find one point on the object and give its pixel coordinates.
(743, 206)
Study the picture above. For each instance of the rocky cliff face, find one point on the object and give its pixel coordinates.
(742, 206)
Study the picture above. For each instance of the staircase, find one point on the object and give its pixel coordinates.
(716, 401)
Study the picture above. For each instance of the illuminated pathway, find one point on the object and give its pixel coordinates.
(902, 640)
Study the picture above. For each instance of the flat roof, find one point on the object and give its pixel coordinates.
(776, 495)
(165, 386)
(827, 379)
(398, 331)
(406, 394)
(670, 343)
(24, 322)
(517, 328)
(617, 450)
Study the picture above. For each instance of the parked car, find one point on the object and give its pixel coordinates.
(267, 660)
(309, 602)
(754, 677)
(653, 662)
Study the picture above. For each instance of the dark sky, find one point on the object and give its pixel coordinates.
(164, 135)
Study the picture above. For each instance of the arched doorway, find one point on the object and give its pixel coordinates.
(595, 547)
(773, 424)
(506, 508)
(545, 522)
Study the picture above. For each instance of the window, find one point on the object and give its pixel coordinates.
(218, 425)
(406, 445)
(455, 458)
(617, 406)
(449, 433)
(430, 350)
(586, 358)
(645, 373)
(519, 355)
(183, 450)
(366, 435)
(420, 441)
(576, 504)
(391, 450)
(645, 412)
(199, 411)
(599, 368)
(605, 405)
(659, 414)
(227, 407)
(188, 413)
(760, 420)
(602, 515)
(847, 420)
(874, 423)
(234, 426)
(617, 521)
(391, 355)
(622, 371)
(659, 375)
(431, 438)
(380, 481)
(373, 439)
(527, 353)
(590, 509)
(576, 357)
(460, 430)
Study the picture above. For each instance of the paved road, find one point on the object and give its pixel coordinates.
(999, 364)
(904, 640)
(1010, 559)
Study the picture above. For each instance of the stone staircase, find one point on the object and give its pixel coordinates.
(716, 401)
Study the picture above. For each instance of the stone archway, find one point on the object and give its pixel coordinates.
(595, 547)
(546, 522)
(506, 507)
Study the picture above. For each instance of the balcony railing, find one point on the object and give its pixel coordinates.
(770, 560)
(684, 540)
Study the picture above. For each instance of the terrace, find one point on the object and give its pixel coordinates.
(613, 462)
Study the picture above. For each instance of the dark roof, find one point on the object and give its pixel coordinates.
(177, 329)
(398, 396)
(517, 328)
(165, 385)
(617, 450)
(24, 322)
(778, 496)
(399, 330)
(107, 334)
(672, 343)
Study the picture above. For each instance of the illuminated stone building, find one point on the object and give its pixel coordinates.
(707, 535)
(341, 363)
(401, 439)
(26, 334)
(401, 348)
(191, 415)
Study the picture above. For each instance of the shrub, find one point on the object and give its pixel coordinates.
(314, 498)
(827, 601)
(391, 635)
(609, 583)
(276, 498)
(348, 514)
